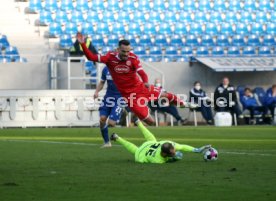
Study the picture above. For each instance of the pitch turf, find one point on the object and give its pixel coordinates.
(67, 164)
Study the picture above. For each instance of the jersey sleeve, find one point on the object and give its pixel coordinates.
(94, 57)
(103, 76)
(140, 71)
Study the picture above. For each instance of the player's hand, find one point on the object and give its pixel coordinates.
(80, 37)
(147, 85)
(96, 95)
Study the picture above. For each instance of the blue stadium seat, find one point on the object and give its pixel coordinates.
(204, 5)
(241, 28)
(240, 90)
(226, 28)
(134, 29)
(65, 41)
(159, 5)
(112, 40)
(35, 6)
(1, 48)
(170, 17)
(128, 5)
(155, 50)
(207, 40)
(248, 51)
(153, 58)
(222, 40)
(82, 5)
(139, 50)
(98, 5)
(118, 28)
(260, 92)
(97, 40)
(202, 52)
(123, 17)
(231, 17)
(264, 51)
(107, 49)
(139, 17)
(273, 16)
(233, 51)
(176, 40)
(238, 40)
(93, 17)
(87, 29)
(149, 28)
(145, 40)
(201, 17)
(77, 17)
(61, 17)
(246, 17)
(261, 17)
(174, 5)
(113, 5)
(235, 5)
(218, 51)
(189, 5)
(103, 28)
(160, 40)
(155, 17)
(250, 5)
(67, 5)
(144, 5)
(45, 18)
(168, 58)
(269, 40)
(108, 17)
(257, 28)
(185, 17)
(191, 40)
(186, 51)
(55, 29)
(171, 50)
(211, 28)
(12, 53)
(5, 59)
(219, 5)
(271, 28)
(132, 40)
(196, 28)
(51, 5)
(181, 28)
(265, 5)
(165, 28)
(253, 40)
(71, 28)
(216, 17)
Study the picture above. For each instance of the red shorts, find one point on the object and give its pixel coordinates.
(137, 101)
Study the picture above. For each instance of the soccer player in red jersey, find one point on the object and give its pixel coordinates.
(124, 67)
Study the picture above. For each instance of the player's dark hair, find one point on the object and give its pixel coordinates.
(124, 42)
(196, 82)
(166, 148)
(247, 89)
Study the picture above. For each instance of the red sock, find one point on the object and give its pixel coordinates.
(174, 99)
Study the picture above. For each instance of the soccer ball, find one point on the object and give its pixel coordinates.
(210, 154)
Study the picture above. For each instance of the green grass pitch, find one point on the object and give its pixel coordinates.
(67, 164)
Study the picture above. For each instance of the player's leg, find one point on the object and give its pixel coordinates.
(140, 108)
(147, 134)
(132, 148)
(104, 113)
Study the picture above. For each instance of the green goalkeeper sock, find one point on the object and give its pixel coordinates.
(147, 134)
(128, 145)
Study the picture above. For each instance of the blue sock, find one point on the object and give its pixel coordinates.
(104, 132)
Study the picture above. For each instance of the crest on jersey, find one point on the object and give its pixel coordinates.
(122, 69)
(128, 63)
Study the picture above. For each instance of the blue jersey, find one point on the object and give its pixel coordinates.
(111, 90)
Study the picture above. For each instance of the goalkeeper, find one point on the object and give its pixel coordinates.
(153, 151)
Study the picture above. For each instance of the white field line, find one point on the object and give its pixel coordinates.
(252, 153)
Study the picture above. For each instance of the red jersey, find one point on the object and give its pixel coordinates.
(124, 73)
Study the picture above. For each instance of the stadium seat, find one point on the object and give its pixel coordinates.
(168, 58)
(241, 28)
(271, 28)
(134, 29)
(201, 17)
(207, 40)
(222, 40)
(87, 29)
(155, 17)
(246, 17)
(4, 59)
(12, 53)
(77, 17)
(273, 16)
(238, 40)
(261, 17)
(132, 40)
(118, 28)
(186, 51)
(82, 5)
(123, 17)
(176, 40)
(218, 51)
(97, 40)
(257, 28)
(113, 5)
(129, 5)
(139, 50)
(202, 52)
(235, 5)
(67, 5)
(112, 40)
(233, 51)
(250, 5)
(196, 28)
(264, 5)
(145, 40)
(160, 40)
(264, 51)
(226, 28)
(253, 40)
(98, 5)
(216, 17)
(45, 18)
(171, 50)
(144, 5)
(102, 28)
(240, 90)
(65, 41)
(55, 30)
(248, 51)
(204, 5)
(155, 50)
(35, 6)
(71, 28)
(185, 17)
(170, 17)
(261, 94)
(153, 58)
(51, 5)
(181, 28)
(174, 5)
(107, 49)
(108, 17)
(165, 28)
(211, 28)
(20, 60)
(189, 5)
(149, 28)
(159, 5)
(93, 17)
(61, 17)
(219, 5)
(139, 17)
(191, 40)
(269, 40)
(231, 17)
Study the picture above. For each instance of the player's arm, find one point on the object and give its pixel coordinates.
(99, 88)
(184, 148)
(89, 55)
(140, 71)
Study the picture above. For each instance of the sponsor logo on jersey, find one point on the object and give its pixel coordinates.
(122, 69)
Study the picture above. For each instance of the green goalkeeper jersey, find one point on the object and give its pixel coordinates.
(150, 152)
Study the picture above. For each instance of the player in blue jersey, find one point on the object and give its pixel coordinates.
(109, 109)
